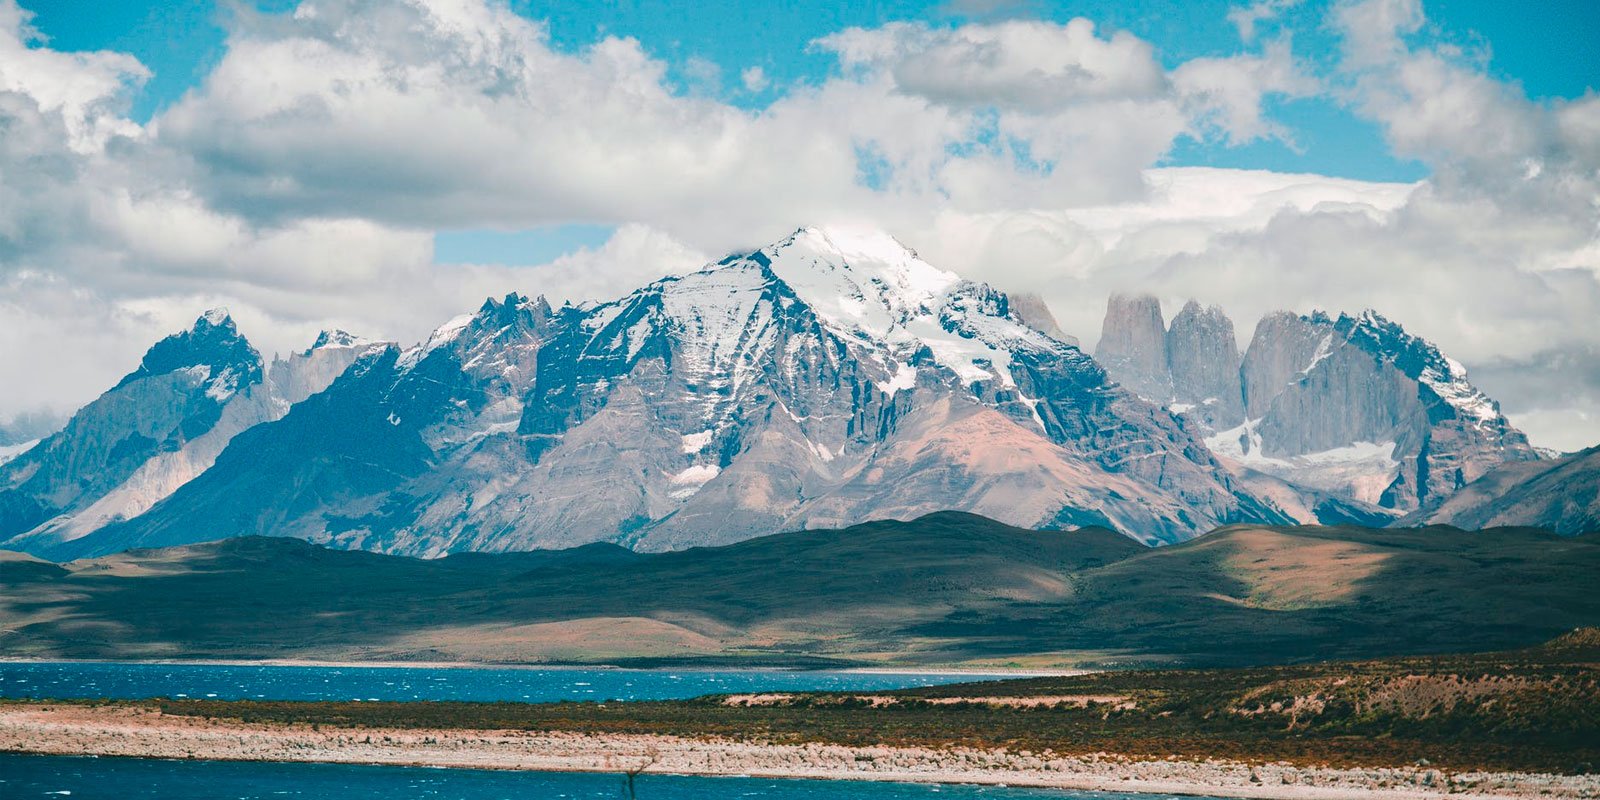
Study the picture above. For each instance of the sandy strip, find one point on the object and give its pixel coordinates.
(124, 731)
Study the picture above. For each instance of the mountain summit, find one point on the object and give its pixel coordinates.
(830, 378)
(1335, 419)
(159, 427)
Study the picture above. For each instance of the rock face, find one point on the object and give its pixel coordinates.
(159, 427)
(1359, 409)
(1284, 344)
(1032, 311)
(832, 377)
(1561, 495)
(1336, 420)
(1191, 367)
(1133, 346)
(1203, 362)
(177, 394)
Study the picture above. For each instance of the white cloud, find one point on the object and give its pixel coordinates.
(1374, 30)
(1495, 257)
(62, 343)
(1029, 65)
(414, 118)
(1076, 257)
(633, 256)
(1246, 18)
(107, 246)
(84, 88)
(754, 79)
(704, 76)
(1228, 92)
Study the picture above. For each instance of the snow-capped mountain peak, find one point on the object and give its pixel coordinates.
(862, 286)
(211, 351)
(1422, 360)
(832, 376)
(870, 289)
(216, 317)
(333, 337)
(513, 319)
(859, 279)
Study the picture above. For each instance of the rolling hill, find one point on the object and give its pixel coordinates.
(948, 588)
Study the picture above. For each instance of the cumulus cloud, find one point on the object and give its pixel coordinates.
(1076, 257)
(1061, 114)
(107, 243)
(1036, 66)
(463, 114)
(84, 89)
(633, 256)
(754, 79)
(1228, 92)
(1374, 31)
(1511, 222)
(1246, 18)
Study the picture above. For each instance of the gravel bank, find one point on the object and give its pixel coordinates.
(124, 731)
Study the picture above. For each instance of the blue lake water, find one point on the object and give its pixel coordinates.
(52, 680)
(79, 778)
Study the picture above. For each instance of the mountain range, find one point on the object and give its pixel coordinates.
(1348, 417)
(830, 378)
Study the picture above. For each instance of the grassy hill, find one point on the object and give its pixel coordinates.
(949, 588)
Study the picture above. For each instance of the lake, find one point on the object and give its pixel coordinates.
(115, 680)
(80, 778)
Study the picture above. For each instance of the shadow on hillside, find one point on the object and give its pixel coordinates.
(1432, 591)
(953, 588)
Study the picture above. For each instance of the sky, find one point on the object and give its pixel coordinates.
(383, 166)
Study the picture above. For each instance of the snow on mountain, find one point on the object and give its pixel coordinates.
(868, 288)
(359, 451)
(333, 337)
(830, 378)
(176, 394)
(1342, 383)
(11, 451)
(1421, 360)
(1370, 421)
(1361, 471)
(833, 376)
(225, 391)
(1560, 494)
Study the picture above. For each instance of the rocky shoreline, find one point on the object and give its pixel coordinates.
(146, 733)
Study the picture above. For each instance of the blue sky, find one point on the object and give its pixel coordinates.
(1547, 47)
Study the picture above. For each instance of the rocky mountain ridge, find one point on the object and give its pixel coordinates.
(1336, 419)
(160, 426)
(1560, 494)
(830, 378)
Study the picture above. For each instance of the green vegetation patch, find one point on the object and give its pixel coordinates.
(1531, 710)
